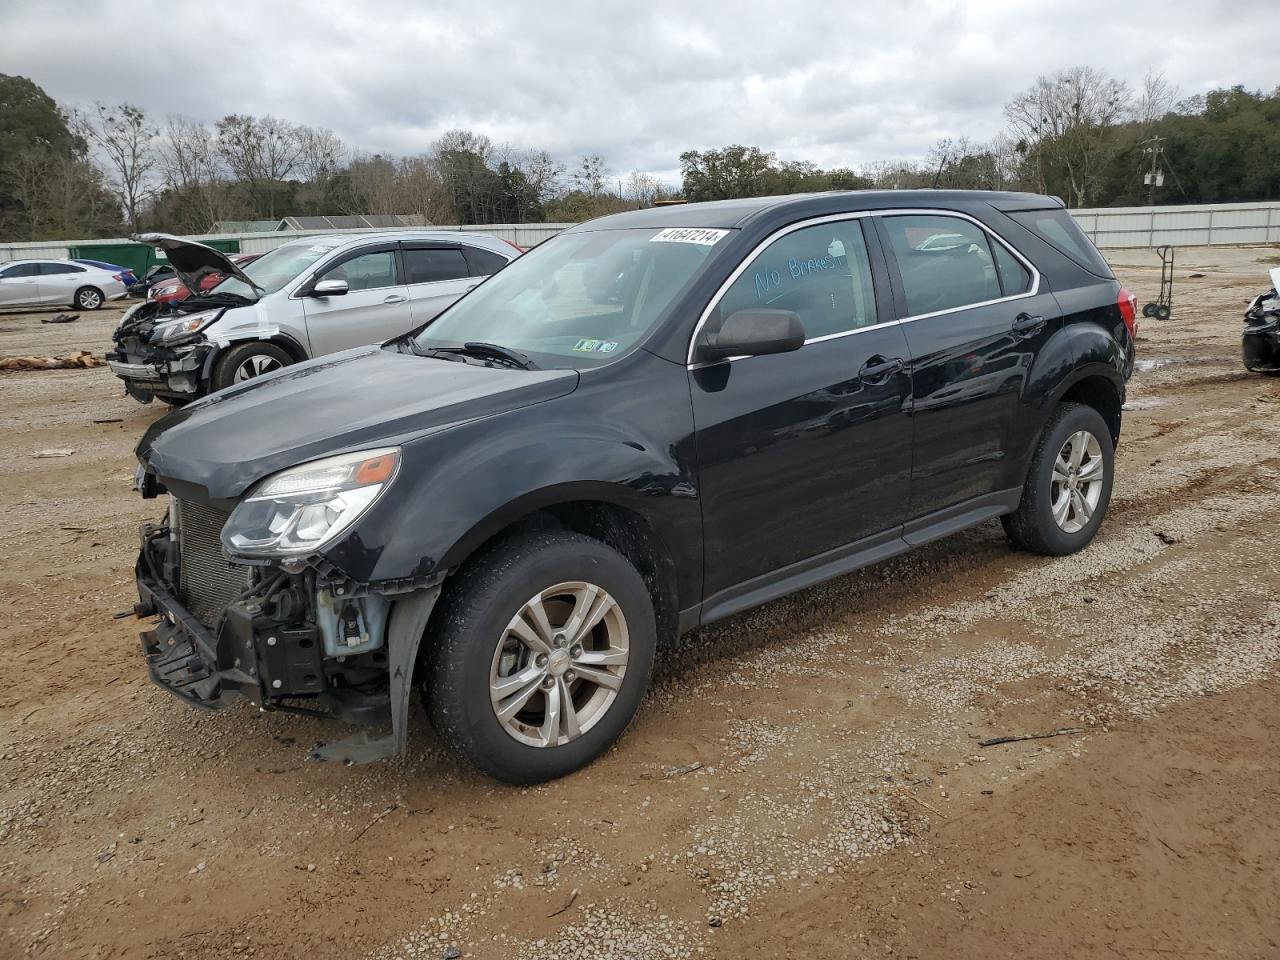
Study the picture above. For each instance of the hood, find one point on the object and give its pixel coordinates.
(192, 261)
(346, 401)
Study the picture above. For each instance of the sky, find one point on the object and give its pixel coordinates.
(839, 84)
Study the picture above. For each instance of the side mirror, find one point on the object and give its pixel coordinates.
(330, 288)
(752, 333)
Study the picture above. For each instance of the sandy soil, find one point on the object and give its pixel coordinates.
(843, 807)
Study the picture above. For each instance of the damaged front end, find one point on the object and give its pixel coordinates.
(161, 350)
(292, 634)
(1261, 339)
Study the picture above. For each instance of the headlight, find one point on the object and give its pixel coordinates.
(177, 329)
(299, 510)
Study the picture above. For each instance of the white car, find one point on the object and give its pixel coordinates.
(57, 283)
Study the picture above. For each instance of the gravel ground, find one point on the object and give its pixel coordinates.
(790, 786)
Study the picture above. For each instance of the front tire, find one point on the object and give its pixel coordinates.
(88, 298)
(1068, 487)
(246, 361)
(541, 655)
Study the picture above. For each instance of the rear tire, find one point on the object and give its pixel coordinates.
(496, 694)
(246, 361)
(88, 298)
(1068, 486)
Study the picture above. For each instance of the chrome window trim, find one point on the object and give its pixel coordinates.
(858, 215)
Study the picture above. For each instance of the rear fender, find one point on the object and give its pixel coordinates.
(1078, 351)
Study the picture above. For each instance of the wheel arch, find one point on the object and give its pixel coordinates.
(1099, 387)
(601, 511)
(297, 352)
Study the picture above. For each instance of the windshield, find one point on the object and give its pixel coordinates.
(273, 270)
(580, 297)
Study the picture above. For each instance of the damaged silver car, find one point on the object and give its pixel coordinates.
(306, 298)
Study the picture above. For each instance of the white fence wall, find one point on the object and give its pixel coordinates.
(1198, 225)
(1220, 224)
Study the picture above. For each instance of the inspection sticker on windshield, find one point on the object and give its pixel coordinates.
(586, 345)
(688, 235)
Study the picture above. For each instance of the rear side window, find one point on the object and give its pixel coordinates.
(53, 269)
(433, 265)
(944, 262)
(484, 262)
(1014, 277)
(821, 273)
(1060, 230)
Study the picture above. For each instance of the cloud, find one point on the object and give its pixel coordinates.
(838, 84)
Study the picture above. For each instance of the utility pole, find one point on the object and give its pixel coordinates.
(1155, 175)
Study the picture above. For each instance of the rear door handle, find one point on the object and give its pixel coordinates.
(395, 298)
(1025, 325)
(878, 368)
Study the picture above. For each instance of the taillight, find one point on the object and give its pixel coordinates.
(118, 277)
(516, 245)
(1127, 301)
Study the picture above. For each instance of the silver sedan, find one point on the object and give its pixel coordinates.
(57, 283)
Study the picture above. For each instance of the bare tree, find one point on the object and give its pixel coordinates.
(1156, 98)
(642, 188)
(261, 152)
(126, 141)
(590, 176)
(541, 172)
(373, 186)
(1067, 121)
(193, 170)
(321, 153)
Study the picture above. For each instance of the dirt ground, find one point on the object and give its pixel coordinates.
(843, 806)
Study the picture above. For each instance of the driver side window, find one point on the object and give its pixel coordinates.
(820, 272)
(365, 271)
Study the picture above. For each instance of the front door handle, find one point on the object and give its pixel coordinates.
(1025, 325)
(878, 368)
(395, 298)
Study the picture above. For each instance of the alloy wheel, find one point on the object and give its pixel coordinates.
(1078, 475)
(90, 300)
(559, 664)
(256, 366)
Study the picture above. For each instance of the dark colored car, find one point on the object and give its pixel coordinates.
(127, 276)
(648, 423)
(156, 274)
(174, 290)
(1261, 339)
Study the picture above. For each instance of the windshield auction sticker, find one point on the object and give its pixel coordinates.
(587, 345)
(688, 235)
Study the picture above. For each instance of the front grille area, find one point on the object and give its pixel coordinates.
(207, 582)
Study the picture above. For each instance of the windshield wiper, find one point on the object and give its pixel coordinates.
(481, 349)
(485, 351)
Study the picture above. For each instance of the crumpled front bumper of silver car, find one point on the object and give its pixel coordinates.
(161, 371)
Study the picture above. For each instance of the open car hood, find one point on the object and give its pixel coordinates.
(192, 261)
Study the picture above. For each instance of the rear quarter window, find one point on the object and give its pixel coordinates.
(1060, 230)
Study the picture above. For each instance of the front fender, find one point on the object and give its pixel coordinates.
(459, 487)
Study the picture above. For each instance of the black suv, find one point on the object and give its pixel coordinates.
(652, 421)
